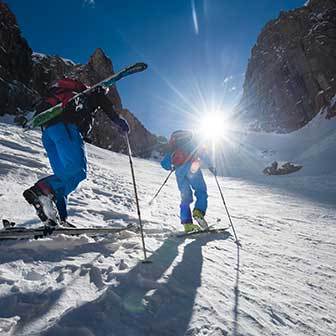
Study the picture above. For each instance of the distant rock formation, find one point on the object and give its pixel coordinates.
(291, 75)
(281, 169)
(24, 77)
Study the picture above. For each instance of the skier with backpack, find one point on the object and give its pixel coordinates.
(185, 155)
(62, 138)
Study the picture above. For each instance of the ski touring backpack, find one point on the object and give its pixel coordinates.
(76, 112)
(182, 147)
(62, 90)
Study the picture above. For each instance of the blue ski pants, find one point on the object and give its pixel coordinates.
(188, 182)
(66, 152)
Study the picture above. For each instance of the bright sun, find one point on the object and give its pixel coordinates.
(213, 126)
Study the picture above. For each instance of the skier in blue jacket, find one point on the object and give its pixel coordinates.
(185, 156)
(63, 141)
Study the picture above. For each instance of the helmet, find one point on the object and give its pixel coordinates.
(180, 138)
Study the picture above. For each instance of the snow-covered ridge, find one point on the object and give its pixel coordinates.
(283, 283)
(37, 57)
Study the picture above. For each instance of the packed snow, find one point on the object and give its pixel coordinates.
(280, 282)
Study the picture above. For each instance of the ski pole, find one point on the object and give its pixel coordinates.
(136, 198)
(157, 193)
(227, 211)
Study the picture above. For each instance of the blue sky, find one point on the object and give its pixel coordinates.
(197, 50)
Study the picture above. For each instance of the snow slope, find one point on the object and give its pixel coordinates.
(313, 146)
(281, 282)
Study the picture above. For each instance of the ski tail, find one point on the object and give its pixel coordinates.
(13, 232)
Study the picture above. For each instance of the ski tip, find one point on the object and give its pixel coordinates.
(140, 66)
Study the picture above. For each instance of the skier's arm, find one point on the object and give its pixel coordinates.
(205, 158)
(106, 105)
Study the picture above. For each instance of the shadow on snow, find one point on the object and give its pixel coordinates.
(140, 304)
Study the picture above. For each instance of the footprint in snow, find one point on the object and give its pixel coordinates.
(8, 324)
(122, 265)
(96, 277)
(60, 277)
(33, 276)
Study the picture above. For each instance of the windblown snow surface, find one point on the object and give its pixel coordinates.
(280, 282)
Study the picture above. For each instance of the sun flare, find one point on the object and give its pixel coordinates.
(213, 126)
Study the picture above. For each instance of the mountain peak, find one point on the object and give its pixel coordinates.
(100, 63)
(291, 73)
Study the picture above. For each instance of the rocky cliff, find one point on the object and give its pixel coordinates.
(24, 77)
(15, 65)
(291, 75)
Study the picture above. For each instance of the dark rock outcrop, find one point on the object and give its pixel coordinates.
(291, 75)
(15, 65)
(24, 77)
(281, 169)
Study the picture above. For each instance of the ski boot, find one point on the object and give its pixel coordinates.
(42, 198)
(190, 227)
(198, 215)
(7, 224)
(65, 224)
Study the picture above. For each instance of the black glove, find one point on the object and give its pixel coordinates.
(122, 125)
(213, 170)
(80, 103)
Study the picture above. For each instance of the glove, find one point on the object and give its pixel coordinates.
(213, 170)
(166, 162)
(122, 125)
(80, 103)
(99, 90)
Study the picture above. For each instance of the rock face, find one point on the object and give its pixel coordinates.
(291, 75)
(284, 168)
(24, 77)
(15, 65)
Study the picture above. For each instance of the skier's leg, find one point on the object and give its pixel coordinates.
(58, 169)
(66, 153)
(186, 196)
(41, 195)
(61, 203)
(77, 167)
(198, 184)
(71, 153)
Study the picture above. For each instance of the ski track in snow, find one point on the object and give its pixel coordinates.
(281, 282)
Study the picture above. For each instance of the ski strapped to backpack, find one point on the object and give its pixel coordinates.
(51, 113)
